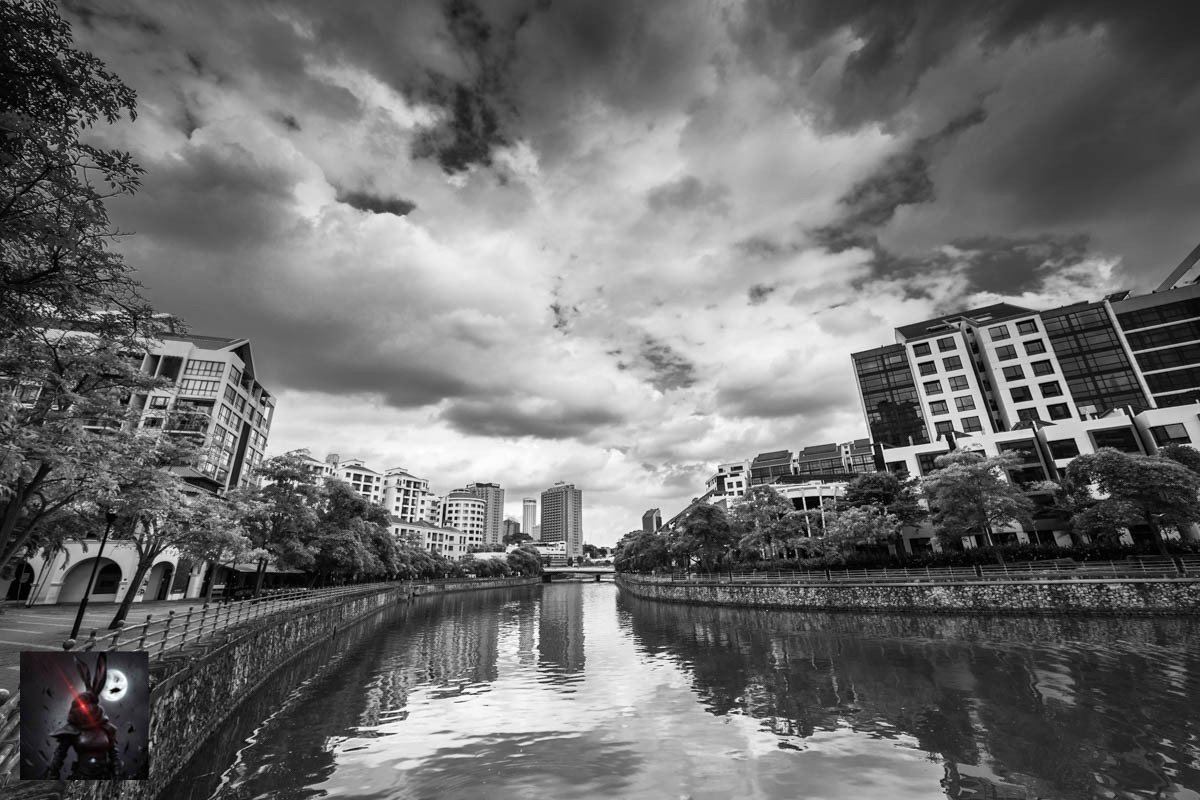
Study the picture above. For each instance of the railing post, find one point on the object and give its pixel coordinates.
(145, 630)
(116, 635)
(187, 624)
(203, 619)
(162, 643)
(91, 642)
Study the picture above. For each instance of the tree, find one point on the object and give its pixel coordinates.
(284, 521)
(156, 510)
(888, 492)
(704, 535)
(763, 520)
(591, 551)
(969, 495)
(1182, 454)
(516, 537)
(1152, 490)
(639, 551)
(525, 560)
(863, 525)
(73, 326)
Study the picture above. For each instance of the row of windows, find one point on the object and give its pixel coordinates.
(1171, 358)
(1022, 394)
(945, 345)
(881, 363)
(1055, 411)
(198, 367)
(1174, 381)
(1164, 337)
(1016, 372)
(948, 364)
(966, 425)
(1087, 342)
(1160, 315)
(1033, 347)
(1024, 327)
(1085, 319)
(193, 386)
(1095, 363)
(963, 403)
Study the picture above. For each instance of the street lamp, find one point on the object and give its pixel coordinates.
(109, 518)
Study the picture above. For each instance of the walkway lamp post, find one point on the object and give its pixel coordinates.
(109, 518)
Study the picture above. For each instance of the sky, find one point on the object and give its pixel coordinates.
(615, 244)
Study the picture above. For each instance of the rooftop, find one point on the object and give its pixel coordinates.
(979, 316)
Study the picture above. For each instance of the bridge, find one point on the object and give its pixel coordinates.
(548, 573)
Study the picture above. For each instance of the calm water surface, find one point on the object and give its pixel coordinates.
(574, 691)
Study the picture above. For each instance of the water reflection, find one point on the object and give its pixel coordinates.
(1075, 708)
(568, 690)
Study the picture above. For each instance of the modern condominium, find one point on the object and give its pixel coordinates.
(529, 516)
(562, 517)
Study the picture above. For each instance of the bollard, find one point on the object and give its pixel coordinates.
(145, 630)
(187, 623)
(162, 643)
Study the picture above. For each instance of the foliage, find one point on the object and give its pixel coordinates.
(72, 324)
(764, 522)
(703, 536)
(525, 560)
(888, 492)
(1188, 456)
(968, 495)
(639, 551)
(863, 525)
(1155, 491)
(284, 517)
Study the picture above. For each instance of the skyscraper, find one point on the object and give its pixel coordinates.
(652, 521)
(511, 527)
(562, 517)
(529, 514)
(493, 496)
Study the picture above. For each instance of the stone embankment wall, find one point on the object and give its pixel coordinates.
(1089, 596)
(190, 704)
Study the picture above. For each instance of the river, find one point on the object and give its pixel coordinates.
(574, 690)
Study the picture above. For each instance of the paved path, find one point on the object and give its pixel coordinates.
(46, 627)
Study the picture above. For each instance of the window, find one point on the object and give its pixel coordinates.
(1021, 394)
(958, 383)
(1035, 346)
(938, 407)
(1027, 326)
(1014, 373)
(159, 402)
(1050, 389)
(964, 403)
(943, 428)
(1122, 439)
(1063, 448)
(933, 387)
(1042, 368)
(1027, 414)
(230, 394)
(1059, 411)
(152, 422)
(946, 344)
(897, 467)
(1170, 434)
(927, 367)
(952, 363)
(971, 425)
(1005, 352)
(999, 332)
(921, 349)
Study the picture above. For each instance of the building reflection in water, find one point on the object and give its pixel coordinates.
(560, 630)
(1012, 707)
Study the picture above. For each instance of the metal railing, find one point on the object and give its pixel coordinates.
(10, 720)
(1186, 566)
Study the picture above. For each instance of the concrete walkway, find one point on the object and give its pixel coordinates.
(46, 627)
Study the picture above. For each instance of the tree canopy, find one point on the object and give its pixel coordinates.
(969, 495)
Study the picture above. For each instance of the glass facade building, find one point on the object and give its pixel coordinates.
(889, 394)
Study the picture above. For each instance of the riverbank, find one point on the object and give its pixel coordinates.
(200, 692)
(1147, 596)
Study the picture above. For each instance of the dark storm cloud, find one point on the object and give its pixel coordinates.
(376, 204)
(666, 368)
(688, 193)
(758, 293)
(505, 417)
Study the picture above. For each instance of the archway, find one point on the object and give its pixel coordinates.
(22, 583)
(108, 579)
(158, 584)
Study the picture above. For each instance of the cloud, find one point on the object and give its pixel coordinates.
(364, 201)
(688, 193)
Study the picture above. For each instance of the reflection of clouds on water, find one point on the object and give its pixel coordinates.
(1070, 708)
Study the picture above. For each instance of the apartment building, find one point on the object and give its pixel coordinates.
(529, 516)
(652, 520)
(212, 395)
(449, 541)
(408, 498)
(493, 515)
(562, 517)
(463, 510)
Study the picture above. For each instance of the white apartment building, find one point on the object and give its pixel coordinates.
(462, 510)
(362, 479)
(430, 536)
(407, 497)
(731, 481)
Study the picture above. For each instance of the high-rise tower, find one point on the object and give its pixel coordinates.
(562, 517)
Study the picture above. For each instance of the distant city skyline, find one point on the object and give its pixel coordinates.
(680, 220)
